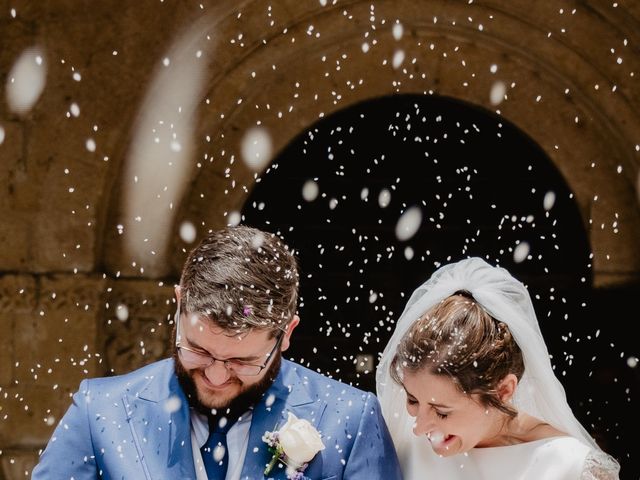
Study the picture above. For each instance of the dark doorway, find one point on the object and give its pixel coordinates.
(483, 188)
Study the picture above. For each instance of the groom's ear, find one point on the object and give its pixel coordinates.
(286, 341)
(507, 387)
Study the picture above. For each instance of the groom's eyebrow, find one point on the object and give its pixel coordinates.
(248, 358)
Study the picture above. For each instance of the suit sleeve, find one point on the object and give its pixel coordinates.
(69, 453)
(373, 455)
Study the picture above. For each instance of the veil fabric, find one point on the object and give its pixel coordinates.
(539, 392)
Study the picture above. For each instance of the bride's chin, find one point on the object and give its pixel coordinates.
(446, 447)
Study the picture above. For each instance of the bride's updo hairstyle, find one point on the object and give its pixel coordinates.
(457, 338)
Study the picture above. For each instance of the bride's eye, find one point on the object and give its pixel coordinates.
(412, 401)
(442, 415)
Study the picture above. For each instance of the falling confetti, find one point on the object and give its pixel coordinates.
(234, 219)
(90, 145)
(498, 91)
(187, 232)
(26, 80)
(408, 223)
(172, 404)
(122, 312)
(256, 148)
(398, 58)
(384, 198)
(549, 201)
(310, 190)
(397, 31)
(520, 252)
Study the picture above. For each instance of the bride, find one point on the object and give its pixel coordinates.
(468, 391)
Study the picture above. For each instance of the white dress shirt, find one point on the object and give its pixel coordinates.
(237, 441)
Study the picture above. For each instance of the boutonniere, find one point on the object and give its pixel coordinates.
(295, 444)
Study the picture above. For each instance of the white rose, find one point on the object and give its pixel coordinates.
(299, 440)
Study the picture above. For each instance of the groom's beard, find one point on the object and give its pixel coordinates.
(247, 397)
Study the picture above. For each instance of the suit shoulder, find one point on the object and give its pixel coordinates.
(133, 381)
(330, 389)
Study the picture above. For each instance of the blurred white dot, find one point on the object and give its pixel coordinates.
(408, 253)
(408, 223)
(493, 68)
(520, 252)
(1, 134)
(175, 146)
(498, 90)
(50, 420)
(187, 232)
(310, 190)
(632, 362)
(323, 3)
(256, 148)
(76, 76)
(74, 109)
(166, 62)
(365, 47)
(122, 312)
(172, 404)
(257, 240)
(218, 453)
(373, 297)
(364, 193)
(270, 399)
(549, 200)
(398, 58)
(91, 144)
(398, 30)
(234, 219)
(26, 80)
(333, 203)
(384, 198)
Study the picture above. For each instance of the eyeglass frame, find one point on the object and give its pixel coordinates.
(213, 360)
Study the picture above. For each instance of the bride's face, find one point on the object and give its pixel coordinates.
(452, 421)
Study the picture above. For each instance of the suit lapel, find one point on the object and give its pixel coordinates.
(160, 423)
(288, 393)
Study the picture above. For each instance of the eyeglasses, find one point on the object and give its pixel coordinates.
(197, 359)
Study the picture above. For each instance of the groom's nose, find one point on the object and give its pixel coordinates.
(217, 373)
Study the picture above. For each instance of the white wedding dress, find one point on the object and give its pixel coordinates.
(555, 458)
(576, 456)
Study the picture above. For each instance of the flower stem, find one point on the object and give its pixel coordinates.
(274, 459)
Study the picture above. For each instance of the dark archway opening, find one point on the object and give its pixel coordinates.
(483, 189)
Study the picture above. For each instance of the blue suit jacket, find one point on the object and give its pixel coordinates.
(123, 428)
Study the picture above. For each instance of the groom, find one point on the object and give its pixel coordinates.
(206, 412)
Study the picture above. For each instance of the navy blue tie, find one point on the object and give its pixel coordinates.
(214, 451)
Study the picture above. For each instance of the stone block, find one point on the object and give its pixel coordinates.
(29, 414)
(17, 464)
(57, 343)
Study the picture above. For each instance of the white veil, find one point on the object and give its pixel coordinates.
(539, 392)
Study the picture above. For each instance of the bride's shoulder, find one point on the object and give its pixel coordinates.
(527, 428)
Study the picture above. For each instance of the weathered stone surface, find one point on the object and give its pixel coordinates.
(17, 464)
(64, 329)
(29, 415)
(137, 324)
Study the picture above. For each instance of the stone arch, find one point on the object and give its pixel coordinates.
(561, 89)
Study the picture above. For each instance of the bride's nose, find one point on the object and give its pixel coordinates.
(423, 424)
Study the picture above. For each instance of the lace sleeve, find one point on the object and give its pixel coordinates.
(600, 466)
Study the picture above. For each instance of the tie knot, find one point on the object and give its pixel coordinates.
(222, 421)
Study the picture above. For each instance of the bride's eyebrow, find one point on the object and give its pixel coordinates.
(408, 392)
